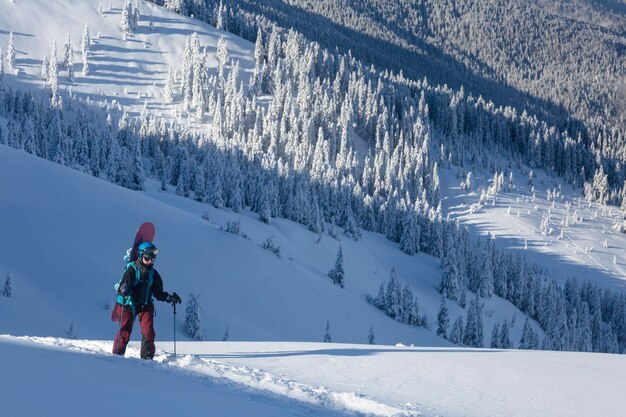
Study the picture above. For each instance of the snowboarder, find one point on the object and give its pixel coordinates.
(135, 290)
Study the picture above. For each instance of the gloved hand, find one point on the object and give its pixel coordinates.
(173, 298)
(124, 290)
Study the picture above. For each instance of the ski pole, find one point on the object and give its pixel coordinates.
(174, 305)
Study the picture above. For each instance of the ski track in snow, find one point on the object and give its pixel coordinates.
(256, 379)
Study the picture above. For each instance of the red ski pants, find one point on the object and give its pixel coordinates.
(146, 321)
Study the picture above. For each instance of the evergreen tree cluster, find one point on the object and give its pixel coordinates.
(398, 302)
(552, 140)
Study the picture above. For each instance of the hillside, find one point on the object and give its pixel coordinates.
(125, 75)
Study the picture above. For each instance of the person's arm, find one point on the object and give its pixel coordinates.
(126, 284)
(157, 288)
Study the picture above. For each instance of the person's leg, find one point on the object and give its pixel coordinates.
(146, 320)
(123, 334)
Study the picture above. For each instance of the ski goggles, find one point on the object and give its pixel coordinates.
(149, 257)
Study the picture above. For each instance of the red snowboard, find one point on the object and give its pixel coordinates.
(145, 233)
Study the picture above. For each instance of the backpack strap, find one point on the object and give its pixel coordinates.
(127, 300)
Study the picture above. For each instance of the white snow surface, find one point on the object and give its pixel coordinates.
(295, 379)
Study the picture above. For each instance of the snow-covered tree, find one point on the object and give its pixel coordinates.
(327, 337)
(529, 338)
(53, 76)
(11, 52)
(68, 59)
(473, 333)
(371, 338)
(193, 321)
(7, 291)
(337, 274)
(443, 320)
(85, 44)
(505, 339)
(495, 336)
(456, 333)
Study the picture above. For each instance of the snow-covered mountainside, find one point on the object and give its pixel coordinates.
(125, 74)
(300, 195)
(65, 234)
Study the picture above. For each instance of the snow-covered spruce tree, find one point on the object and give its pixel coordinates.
(473, 333)
(11, 52)
(193, 321)
(68, 59)
(226, 335)
(495, 336)
(45, 68)
(409, 240)
(337, 274)
(127, 24)
(451, 284)
(393, 295)
(223, 57)
(529, 338)
(327, 337)
(443, 321)
(371, 339)
(85, 44)
(456, 333)
(7, 291)
(53, 77)
(505, 339)
(71, 331)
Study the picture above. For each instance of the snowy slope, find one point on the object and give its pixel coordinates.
(131, 72)
(65, 233)
(295, 379)
(578, 240)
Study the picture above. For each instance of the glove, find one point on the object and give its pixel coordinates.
(173, 298)
(124, 290)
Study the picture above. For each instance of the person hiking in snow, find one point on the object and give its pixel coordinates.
(135, 290)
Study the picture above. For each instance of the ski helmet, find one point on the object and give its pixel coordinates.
(149, 249)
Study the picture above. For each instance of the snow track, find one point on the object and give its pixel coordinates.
(233, 376)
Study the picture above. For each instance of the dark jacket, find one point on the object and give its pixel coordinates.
(138, 292)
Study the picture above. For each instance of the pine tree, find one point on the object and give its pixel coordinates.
(336, 274)
(409, 240)
(495, 336)
(7, 291)
(529, 338)
(327, 337)
(126, 25)
(11, 52)
(193, 321)
(68, 59)
(371, 339)
(45, 67)
(85, 44)
(53, 76)
(169, 89)
(505, 339)
(456, 333)
(443, 320)
(473, 334)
